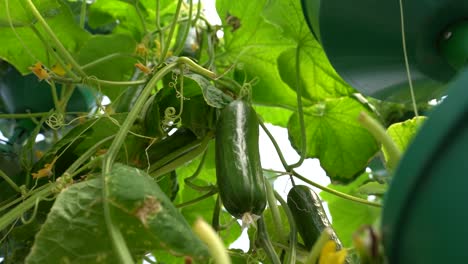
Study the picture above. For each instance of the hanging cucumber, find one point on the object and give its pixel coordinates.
(238, 169)
(309, 215)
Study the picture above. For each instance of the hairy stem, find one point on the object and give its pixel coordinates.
(291, 253)
(265, 242)
(300, 111)
(379, 133)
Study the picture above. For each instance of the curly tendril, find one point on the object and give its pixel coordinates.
(56, 121)
(170, 117)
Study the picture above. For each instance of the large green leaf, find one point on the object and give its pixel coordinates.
(22, 47)
(349, 216)
(119, 68)
(75, 230)
(335, 137)
(403, 133)
(256, 46)
(318, 79)
(124, 14)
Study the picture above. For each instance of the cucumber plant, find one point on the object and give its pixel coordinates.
(175, 143)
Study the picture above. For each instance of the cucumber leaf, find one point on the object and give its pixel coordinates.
(403, 133)
(144, 214)
(335, 137)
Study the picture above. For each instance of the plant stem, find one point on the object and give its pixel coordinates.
(335, 192)
(200, 198)
(27, 204)
(142, 19)
(119, 244)
(179, 48)
(291, 254)
(10, 181)
(405, 55)
(85, 156)
(53, 90)
(165, 48)
(25, 115)
(118, 241)
(216, 212)
(265, 242)
(179, 157)
(116, 83)
(300, 111)
(107, 58)
(60, 48)
(215, 245)
(83, 13)
(379, 133)
(274, 210)
(275, 144)
(189, 181)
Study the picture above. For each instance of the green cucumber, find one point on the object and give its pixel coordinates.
(309, 215)
(238, 169)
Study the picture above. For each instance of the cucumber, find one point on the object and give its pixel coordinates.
(309, 215)
(238, 169)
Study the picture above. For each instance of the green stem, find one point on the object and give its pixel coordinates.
(265, 242)
(118, 242)
(179, 156)
(335, 192)
(300, 111)
(216, 212)
(215, 245)
(179, 48)
(158, 22)
(53, 90)
(116, 83)
(275, 144)
(379, 133)
(405, 55)
(85, 156)
(198, 199)
(107, 58)
(27, 204)
(60, 48)
(83, 13)
(68, 92)
(165, 48)
(197, 68)
(189, 181)
(274, 210)
(10, 181)
(291, 253)
(24, 115)
(140, 16)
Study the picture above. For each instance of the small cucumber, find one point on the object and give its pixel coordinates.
(309, 215)
(238, 169)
